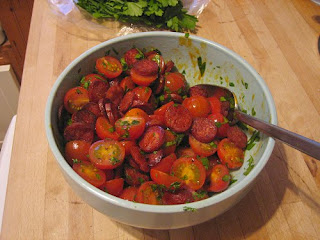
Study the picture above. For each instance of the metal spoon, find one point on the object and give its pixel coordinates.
(303, 144)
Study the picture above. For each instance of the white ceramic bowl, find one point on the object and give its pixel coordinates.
(223, 67)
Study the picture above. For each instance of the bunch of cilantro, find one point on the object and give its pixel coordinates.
(157, 13)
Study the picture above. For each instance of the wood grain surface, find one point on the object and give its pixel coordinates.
(277, 37)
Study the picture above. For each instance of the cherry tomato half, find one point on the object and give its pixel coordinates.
(137, 112)
(191, 171)
(219, 178)
(166, 163)
(77, 150)
(106, 154)
(215, 104)
(113, 187)
(142, 80)
(170, 182)
(129, 193)
(127, 84)
(149, 193)
(130, 128)
(105, 129)
(142, 93)
(229, 154)
(198, 106)
(222, 124)
(90, 173)
(75, 99)
(170, 144)
(203, 149)
(109, 66)
(175, 83)
(90, 78)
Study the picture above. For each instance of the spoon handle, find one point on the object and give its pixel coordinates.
(303, 144)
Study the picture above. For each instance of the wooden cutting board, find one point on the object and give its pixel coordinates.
(277, 37)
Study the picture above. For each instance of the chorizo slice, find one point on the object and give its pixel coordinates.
(146, 67)
(115, 94)
(79, 131)
(159, 85)
(145, 106)
(97, 90)
(63, 118)
(133, 177)
(155, 120)
(84, 116)
(225, 107)
(198, 91)
(131, 56)
(178, 118)
(111, 112)
(204, 129)
(126, 101)
(152, 139)
(169, 66)
(94, 108)
(139, 158)
(155, 157)
(237, 136)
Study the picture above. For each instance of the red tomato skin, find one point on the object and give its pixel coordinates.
(219, 178)
(169, 138)
(77, 149)
(90, 173)
(127, 146)
(156, 57)
(112, 154)
(137, 112)
(142, 80)
(147, 195)
(75, 99)
(230, 155)
(142, 93)
(127, 84)
(130, 131)
(215, 105)
(129, 193)
(105, 130)
(165, 179)
(166, 163)
(203, 149)
(221, 123)
(191, 169)
(109, 66)
(161, 110)
(113, 187)
(175, 83)
(90, 78)
(198, 106)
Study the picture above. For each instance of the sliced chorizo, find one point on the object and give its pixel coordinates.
(84, 116)
(155, 157)
(204, 129)
(152, 139)
(225, 107)
(169, 66)
(146, 67)
(79, 131)
(115, 94)
(63, 118)
(133, 177)
(198, 91)
(159, 85)
(97, 90)
(139, 158)
(111, 112)
(145, 106)
(178, 118)
(237, 136)
(126, 101)
(94, 108)
(155, 120)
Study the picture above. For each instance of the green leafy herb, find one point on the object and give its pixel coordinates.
(161, 98)
(124, 64)
(183, 72)
(253, 112)
(141, 180)
(245, 84)
(175, 185)
(112, 129)
(242, 126)
(78, 91)
(114, 160)
(185, 177)
(254, 138)
(226, 178)
(84, 83)
(107, 52)
(171, 143)
(69, 122)
(204, 161)
(233, 180)
(218, 124)
(135, 122)
(201, 65)
(186, 35)
(223, 99)
(189, 209)
(74, 160)
(250, 166)
(199, 194)
(212, 144)
(157, 13)
(115, 51)
(98, 176)
(231, 84)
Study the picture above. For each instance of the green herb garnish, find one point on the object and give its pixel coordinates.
(112, 129)
(254, 138)
(204, 161)
(250, 166)
(189, 209)
(201, 65)
(226, 178)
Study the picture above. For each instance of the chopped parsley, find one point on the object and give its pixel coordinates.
(69, 122)
(250, 166)
(98, 176)
(112, 129)
(78, 91)
(231, 84)
(186, 35)
(253, 112)
(204, 161)
(185, 177)
(183, 72)
(84, 83)
(218, 124)
(245, 84)
(223, 99)
(115, 51)
(201, 65)
(201, 194)
(226, 178)
(233, 180)
(135, 122)
(171, 143)
(74, 160)
(107, 52)
(189, 209)
(124, 64)
(212, 144)
(254, 138)
(114, 160)
(141, 180)
(175, 185)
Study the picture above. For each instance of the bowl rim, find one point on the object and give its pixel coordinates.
(160, 208)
